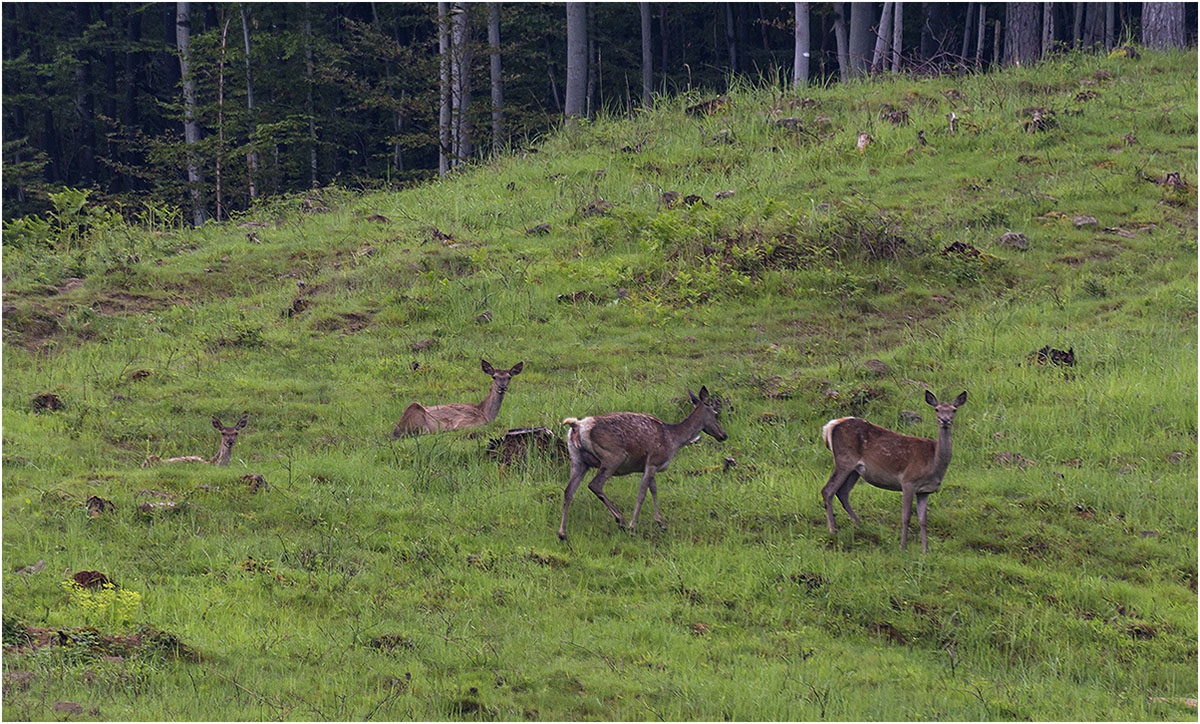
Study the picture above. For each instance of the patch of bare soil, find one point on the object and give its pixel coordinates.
(346, 323)
(35, 319)
(147, 640)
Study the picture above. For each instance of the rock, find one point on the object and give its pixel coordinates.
(1014, 239)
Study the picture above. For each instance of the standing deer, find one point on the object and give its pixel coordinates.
(913, 465)
(620, 443)
(419, 419)
(229, 436)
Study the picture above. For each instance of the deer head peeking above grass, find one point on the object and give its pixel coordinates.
(229, 436)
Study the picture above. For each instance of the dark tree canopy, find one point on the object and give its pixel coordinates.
(285, 96)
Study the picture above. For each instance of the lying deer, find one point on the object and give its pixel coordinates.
(913, 465)
(229, 436)
(419, 419)
(620, 443)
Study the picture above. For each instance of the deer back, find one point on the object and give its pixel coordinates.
(624, 441)
(454, 416)
(882, 457)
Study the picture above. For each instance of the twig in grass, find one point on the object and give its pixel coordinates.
(277, 705)
(607, 659)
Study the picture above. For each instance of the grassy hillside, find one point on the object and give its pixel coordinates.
(422, 579)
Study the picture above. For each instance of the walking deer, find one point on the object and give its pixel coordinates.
(229, 436)
(913, 465)
(620, 443)
(418, 419)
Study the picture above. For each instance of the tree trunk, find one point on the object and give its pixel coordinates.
(1047, 28)
(897, 35)
(1162, 25)
(981, 35)
(497, 76)
(883, 38)
(862, 15)
(252, 128)
(310, 104)
(593, 64)
(220, 151)
(460, 83)
(133, 62)
(800, 68)
(967, 28)
(577, 60)
(1077, 28)
(647, 57)
(840, 35)
(1110, 25)
(191, 129)
(731, 39)
(662, 40)
(444, 88)
(1023, 39)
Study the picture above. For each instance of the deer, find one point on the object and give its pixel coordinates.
(229, 436)
(418, 419)
(915, 466)
(621, 443)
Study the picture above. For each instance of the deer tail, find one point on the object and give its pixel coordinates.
(572, 421)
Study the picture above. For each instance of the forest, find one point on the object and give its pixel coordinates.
(200, 109)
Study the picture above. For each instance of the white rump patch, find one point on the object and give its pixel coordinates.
(827, 431)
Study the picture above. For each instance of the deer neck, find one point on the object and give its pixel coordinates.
(681, 433)
(224, 453)
(490, 407)
(942, 451)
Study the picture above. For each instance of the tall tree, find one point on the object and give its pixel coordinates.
(730, 38)
(444, 107)
(1023, 36)
(647, 56)
(897, 34)
(577, 60)
(251, 148)
(191, 127)
(841, 37)
(496, 75)
(883, 37)
(800, 66)
(310, 104)
(862, 17)
(460, 82)
(1162, 25)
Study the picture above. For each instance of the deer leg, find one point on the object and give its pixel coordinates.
(922, 504)
(578, 470)
(838, 481)
(647, 484)
(906, 501)
(654, 497)
(843, 494)
(597, 487)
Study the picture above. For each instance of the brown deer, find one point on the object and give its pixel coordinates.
(620, 443)
(419, 419)
(229, 436)
(913, 465)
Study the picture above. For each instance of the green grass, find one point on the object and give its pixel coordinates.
(419, 579)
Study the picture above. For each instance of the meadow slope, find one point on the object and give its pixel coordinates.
(421, 578)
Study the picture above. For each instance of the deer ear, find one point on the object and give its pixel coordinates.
(704, 395)
(695, 400)
(487, 368)
(516, 370)
(216, 423)
(242, 422)
(930, 398)
(961, 399)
